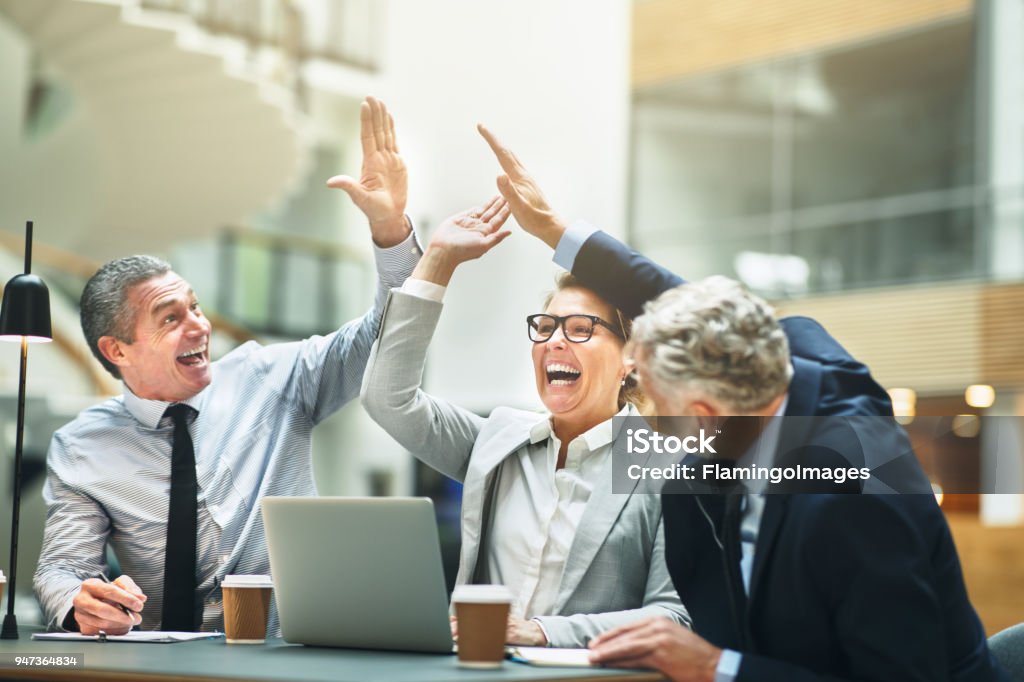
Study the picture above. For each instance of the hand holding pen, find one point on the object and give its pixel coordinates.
(112, 607)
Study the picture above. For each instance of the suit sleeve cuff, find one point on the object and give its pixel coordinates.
(423, 289)
(571, 242)
(543, 629)
(728, 666)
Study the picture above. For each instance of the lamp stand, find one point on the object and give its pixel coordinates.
(10, 627)
(25, 317)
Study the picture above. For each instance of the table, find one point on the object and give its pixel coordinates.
(213, 660)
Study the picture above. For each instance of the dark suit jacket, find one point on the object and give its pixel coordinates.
(859, 587)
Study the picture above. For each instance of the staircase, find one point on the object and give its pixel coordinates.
(116, 139)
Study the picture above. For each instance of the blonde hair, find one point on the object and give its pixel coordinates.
(630, 391)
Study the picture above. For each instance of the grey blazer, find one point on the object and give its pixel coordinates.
(615, 572)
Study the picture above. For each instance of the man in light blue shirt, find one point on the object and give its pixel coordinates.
(247, 420)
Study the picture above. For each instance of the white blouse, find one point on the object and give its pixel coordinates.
(537, 510)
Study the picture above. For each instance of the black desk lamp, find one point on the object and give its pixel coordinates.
(25, 317)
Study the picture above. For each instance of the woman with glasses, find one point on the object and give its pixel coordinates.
(538, 512)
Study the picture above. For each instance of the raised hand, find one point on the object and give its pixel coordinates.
(529, 207)
(462, 237)
(472, 233)
(383, 187)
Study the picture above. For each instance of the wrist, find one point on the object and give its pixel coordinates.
(711, 669)
(435, 266)
(388, 232)
(551, 231)
(541, 633)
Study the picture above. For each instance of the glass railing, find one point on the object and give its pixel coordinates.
(252, 284)
(342, 31)
(283, 285)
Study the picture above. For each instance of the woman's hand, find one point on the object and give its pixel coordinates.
(518, 631)
(524, 633)
(462, 237)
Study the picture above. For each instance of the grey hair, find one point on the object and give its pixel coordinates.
(104, 303)
(715, 338)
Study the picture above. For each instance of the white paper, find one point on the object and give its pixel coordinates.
(155, 636)
(545, 656)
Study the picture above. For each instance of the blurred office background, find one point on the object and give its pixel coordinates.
(862, 163)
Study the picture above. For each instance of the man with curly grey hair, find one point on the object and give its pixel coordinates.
(787, 587)
(713, 343)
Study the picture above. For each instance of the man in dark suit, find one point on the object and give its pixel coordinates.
(781, 587)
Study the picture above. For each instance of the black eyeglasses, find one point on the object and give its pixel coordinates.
(575, 328)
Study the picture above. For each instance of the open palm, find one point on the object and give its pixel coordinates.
(529, 207)
(470, 234)
(383, 187)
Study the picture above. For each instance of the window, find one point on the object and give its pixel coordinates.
(860, 161)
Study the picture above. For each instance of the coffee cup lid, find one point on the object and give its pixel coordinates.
(482, 594)
(247, 581)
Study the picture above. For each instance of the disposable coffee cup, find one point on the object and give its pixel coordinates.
(3, 585)
(482, 612)
(246, 608)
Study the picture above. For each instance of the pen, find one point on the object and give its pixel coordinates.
(128, 612)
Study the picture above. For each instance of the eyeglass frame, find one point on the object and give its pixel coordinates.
(560, 321)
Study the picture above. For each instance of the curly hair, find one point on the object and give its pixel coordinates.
(714, 338)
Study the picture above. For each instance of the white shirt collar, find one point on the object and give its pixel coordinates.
(150, 412)
(597, 436)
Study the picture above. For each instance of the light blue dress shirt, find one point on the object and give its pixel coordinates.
(108, 471)
(571, 242)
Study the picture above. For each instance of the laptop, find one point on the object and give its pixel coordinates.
(361, 572)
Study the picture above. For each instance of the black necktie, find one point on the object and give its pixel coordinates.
(180, 610)
(732, 553)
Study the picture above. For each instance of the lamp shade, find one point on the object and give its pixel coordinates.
(26, 310)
